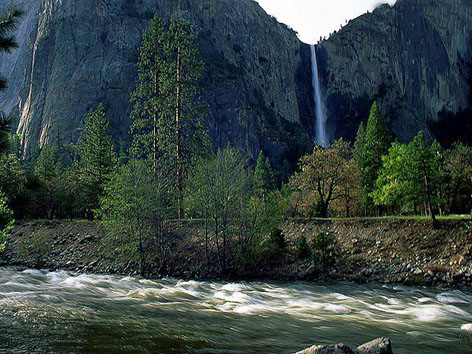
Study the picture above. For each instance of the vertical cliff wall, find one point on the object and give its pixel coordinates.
(74, 54)
(413, 58)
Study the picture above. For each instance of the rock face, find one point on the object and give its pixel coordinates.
(415, 58)
(75, 54)
(378, 346)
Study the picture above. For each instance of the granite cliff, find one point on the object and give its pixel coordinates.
(74, 54)
(414, 58)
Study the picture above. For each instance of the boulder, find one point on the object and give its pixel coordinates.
(377, 346)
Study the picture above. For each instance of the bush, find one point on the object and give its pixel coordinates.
(275, 243)
(303, 249)
(277, 239)
(37, 247)
(323, 249)
(6, 221)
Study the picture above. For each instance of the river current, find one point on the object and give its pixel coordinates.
(62, 312)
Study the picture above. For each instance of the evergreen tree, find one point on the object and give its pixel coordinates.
(264, 180)
(8, 23)
(167, 116)
(423, 172)
(5, 131)
(375, 144)
(393, 188)
(97, 157)
(48, 170)
(149, 112)
(359, 144)
(457, 185)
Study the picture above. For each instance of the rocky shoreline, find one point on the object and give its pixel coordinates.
(408, 252)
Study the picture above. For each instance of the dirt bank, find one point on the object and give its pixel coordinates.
(399, 251)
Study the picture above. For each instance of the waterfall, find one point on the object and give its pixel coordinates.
(320, 116)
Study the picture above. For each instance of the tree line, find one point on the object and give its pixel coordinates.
(378, 176)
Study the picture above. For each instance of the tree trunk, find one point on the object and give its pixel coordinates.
(154, 145)
(428, 201)
(178, 119)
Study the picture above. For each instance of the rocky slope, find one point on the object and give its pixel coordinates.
(392, 251)
(74, 54)
(414, 58)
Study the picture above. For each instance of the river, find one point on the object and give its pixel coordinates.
(62, 312)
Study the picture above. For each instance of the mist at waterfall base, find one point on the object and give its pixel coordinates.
(61, 312)
(320, 115)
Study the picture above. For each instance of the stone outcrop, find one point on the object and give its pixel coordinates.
(415, 58)
(75, 54)
(378, 346)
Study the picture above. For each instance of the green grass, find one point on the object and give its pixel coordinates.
(370, 218)
(391, 217)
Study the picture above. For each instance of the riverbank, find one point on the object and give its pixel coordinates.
(384, 251)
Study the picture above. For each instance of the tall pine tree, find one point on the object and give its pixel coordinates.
(370, 148)
(423, 172)
(8, 23)
(167, 117)
(97, 158)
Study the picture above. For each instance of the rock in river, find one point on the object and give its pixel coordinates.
(377, 346)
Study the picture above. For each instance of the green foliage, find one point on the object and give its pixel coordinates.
(167, 115)
(321, 174)
(370, 146)
(219, 191)
(423, 171)
(69, 192)
(323, 249)
(303, 248)
(277, 239)
(410, 176)
(456, 183)
(5, 130)
(8, 23)
(392, 185)
(97, 158)
(135, 207)
(12, 176)
(48, 169)
(37, 247)
(359, 144)
(264, 180)
(6, 221)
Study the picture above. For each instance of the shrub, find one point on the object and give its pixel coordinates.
(303, 249)
(36, 248)
(277, 239)
(6, 221)
(323, 249)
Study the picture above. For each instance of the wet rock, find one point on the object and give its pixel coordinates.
(377, 346)
(254, 104)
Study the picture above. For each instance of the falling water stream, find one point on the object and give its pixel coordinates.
(62, 312)
(320, 115)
